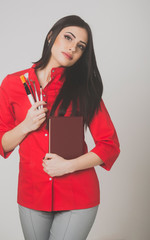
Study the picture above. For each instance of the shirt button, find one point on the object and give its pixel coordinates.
(44, 95)
(53, 70)
(50, 179)
(46, 134)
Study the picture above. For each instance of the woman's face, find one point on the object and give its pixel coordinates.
(68, 46)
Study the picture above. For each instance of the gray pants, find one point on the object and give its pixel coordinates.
(58, 225)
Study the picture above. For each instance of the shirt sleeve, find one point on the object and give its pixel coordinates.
(105, 137)
(7, 118)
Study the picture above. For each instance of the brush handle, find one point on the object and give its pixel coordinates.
(36, 95)
(41, 96)
(31, 99)
(31, 90)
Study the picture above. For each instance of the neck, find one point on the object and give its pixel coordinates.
(44, 75)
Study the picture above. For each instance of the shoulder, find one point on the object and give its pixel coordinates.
(13, 79)
(101, 116)
(19, 73)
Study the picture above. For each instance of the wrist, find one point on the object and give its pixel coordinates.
(71, 165)
(24, 128)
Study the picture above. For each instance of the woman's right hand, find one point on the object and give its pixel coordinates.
(35, 117)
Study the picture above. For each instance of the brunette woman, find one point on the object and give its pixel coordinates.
(58, 198)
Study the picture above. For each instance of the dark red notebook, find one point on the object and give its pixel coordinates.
(66, 136)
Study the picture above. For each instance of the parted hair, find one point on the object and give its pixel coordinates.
(83, 85)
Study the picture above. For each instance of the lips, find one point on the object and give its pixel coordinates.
(67, 55)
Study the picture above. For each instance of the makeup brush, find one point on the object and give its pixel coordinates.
(41, 96)
(27, 78)
(22, 77)
(36, 94)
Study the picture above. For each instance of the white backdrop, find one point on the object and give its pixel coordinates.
(121, 39)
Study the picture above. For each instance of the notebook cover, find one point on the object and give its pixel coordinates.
(66, 136)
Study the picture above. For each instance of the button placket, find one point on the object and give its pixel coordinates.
(44, 95)
(52, 76)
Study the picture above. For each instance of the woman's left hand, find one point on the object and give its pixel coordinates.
(54, 165)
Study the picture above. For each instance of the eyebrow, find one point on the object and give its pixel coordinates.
(75, 37)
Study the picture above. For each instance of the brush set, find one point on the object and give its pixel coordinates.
(32, 95)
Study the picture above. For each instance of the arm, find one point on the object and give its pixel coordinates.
(12, 138)
(54, 165)
(106, 148)
(10, 134)
(85, 161)
(107, 145)
(33, 120)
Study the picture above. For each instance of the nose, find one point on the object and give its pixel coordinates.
(72, 48)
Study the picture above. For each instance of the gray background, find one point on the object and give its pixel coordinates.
(121, 40)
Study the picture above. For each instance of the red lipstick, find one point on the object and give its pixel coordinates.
(67, 55)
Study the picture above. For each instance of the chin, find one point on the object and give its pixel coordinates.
(64, 64)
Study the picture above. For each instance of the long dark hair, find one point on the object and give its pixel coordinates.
(83, 84)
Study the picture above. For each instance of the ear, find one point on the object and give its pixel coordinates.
(49, 36)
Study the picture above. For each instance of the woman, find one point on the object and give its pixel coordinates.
(58, 198)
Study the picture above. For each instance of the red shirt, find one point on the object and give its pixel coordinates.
(36, 189)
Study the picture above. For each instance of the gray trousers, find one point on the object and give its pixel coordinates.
(58, 225)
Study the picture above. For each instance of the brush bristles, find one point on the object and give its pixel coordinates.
(26, 75)
(23, 79)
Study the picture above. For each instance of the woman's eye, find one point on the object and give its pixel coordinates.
(70, 39)
(81, 47)
(67, 37)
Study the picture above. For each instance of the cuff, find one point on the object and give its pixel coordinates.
(2, 152)
(107, 156)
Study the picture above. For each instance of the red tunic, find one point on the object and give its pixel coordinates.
(36, 189)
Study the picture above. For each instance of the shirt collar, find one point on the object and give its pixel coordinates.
(57, 70)
(54, 71)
